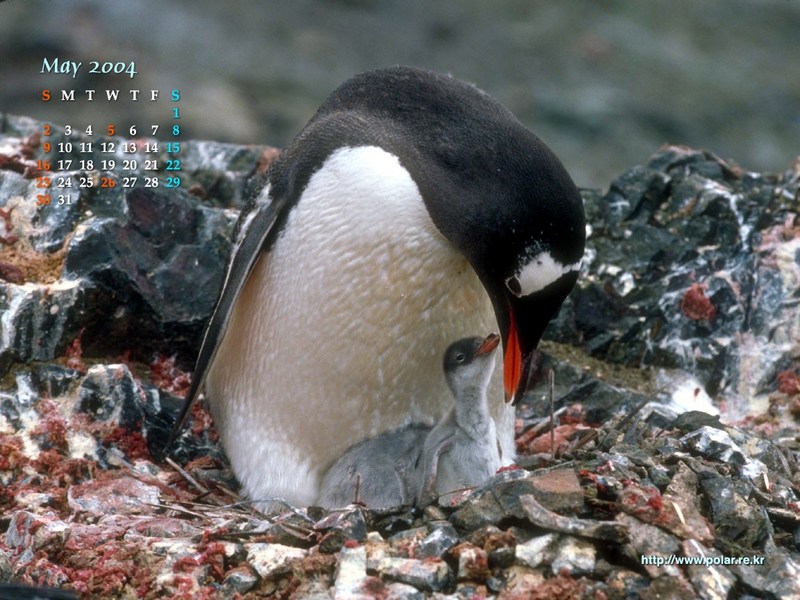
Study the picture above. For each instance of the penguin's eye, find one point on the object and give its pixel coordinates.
(513, 285)
(460, 357)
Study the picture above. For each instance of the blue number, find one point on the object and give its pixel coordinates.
(173, 182)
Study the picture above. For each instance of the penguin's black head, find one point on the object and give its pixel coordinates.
(528, 264)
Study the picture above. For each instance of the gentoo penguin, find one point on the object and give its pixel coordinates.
(461, 450)
(414, 464)
(411, 210)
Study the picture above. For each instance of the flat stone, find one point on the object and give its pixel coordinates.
(272, 559)
(123, 495)
(558, 490)
(430, 575)
(351, 574)
(30, 531)
(735, 516)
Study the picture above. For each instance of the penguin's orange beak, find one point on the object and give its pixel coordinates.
(522, 321)
(515, 365)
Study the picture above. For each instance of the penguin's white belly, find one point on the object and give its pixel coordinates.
(339, 332)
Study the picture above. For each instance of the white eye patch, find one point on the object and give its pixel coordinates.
(537, 273)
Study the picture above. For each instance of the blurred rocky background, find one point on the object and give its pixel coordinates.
(604, 83)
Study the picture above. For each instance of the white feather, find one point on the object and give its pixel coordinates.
(339, 331)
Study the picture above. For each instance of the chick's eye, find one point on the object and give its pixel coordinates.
(512, 283)
(460, 357)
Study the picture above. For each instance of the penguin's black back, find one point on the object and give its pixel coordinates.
(477, 167)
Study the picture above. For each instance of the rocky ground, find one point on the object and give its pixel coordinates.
(674, 438)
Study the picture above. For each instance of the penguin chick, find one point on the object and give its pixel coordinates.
(411, 464)
(461, 450)
(379, 471)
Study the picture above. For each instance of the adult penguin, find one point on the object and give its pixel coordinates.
(412, 210)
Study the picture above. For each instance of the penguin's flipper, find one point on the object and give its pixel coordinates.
(250, 240)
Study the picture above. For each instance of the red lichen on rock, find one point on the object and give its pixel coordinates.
(169, 378)
(11, 455)
(202, 423)
(131, 442)
(11, 274)
(212, 555)
(560, 587)
(789, 382)
(696, 305)
(109, 569)
(7, 238)
(74, 354)
(537, 442)
(51, 432)
(29, 145)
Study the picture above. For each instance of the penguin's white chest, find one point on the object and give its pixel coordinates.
(339, 332)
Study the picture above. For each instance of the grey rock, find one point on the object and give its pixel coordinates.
(431, 575)
(493, 502)
(38, 320)
(575, 556)
(783, 576)
(239, 580)
(543, 518)
(711, 581)
(29, 531)
(650, 541)
(292, 528)
(269, 560)
(142, 265)
(697, 237)
(121, 496)
(340, 526)
(538, 550)
(442, 537)
(351, 574)
(717, 444)
(736, 517)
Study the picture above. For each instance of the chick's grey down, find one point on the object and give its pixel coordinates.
(417, 464)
